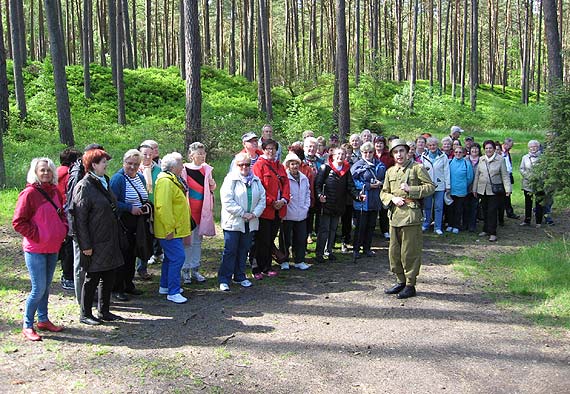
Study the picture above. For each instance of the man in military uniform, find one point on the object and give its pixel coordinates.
(406, 183)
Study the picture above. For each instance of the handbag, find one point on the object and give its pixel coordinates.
(144, 233)
(496, 188)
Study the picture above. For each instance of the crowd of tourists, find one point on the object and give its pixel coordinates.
(275, 200)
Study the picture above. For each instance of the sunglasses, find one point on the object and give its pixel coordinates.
(244, 164)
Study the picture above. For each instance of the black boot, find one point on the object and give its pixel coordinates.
(409, 291)
(90, 320)
(398, 287)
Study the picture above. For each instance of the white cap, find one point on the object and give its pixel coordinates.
(456, 129)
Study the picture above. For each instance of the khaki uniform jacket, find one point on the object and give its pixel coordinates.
(421, 186)
(498, 171)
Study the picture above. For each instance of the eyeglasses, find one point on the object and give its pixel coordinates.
(244, 164)
(368, 151)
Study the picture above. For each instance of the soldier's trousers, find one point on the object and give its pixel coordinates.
(405, 252)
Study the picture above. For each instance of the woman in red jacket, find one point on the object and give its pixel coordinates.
(274, 179)
(40, 219)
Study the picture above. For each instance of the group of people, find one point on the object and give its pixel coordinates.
(107, 230)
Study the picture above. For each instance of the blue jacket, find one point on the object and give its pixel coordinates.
(118, 185)
(461, 175)
(364, 174)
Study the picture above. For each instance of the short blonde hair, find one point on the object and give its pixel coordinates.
(240, 157)
(32, 177)
(132, 153)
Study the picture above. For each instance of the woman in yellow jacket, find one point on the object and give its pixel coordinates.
(171, 224)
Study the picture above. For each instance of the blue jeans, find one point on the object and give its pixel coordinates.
(41, 267)
(236, 247)
(434, 202)
(172, 263)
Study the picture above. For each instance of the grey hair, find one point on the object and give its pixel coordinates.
(32, 177)
(152, 143)
(170, 160)
(432, 140)
(132, 153)
(310, 140)
(533, 142)
(367, 147)
(353, 136)
(195, 146)
(447, 139)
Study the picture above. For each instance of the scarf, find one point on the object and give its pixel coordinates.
(246, 179)
(102, 179)
(147, 173)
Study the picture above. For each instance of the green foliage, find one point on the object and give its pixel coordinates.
(536, 278)
(552, 173)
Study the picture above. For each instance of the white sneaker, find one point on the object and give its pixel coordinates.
(438, 232)
(344, 248)
(151, 261)
(244, 283)
(164, 290)
(386, 235)
(285, 265)
(224, 287)
(177, 298)
(302, 266)
(198, 276)
(455, 230)
(186, 276)
(449, 229)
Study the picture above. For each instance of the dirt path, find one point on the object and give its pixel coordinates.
(327, 330)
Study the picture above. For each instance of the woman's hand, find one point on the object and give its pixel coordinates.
(169, 236)
(88, 252)
(212, 184)
(136, 211)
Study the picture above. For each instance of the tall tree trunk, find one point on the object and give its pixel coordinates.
(232, 62)
(219, 34)
(112, 10)
(206, 26)
(474, 77)
(103, 39)
(400, 48)
(439, 59)
(32, 32)
(182, 40)
(526, 55)
(264, 35)
(22, 29)
(193, 130)
(444, 74)
(342, 70)
(464, 51)
(121, 111)
(506, 45)
(4, 106)
(9, 29)
(148, 33)
(135, 41)
(539, 54)
(41, 31)
(553, 45)
(87, 14)
(414, 57)
(60, 80)
(357, 43)
(18, 60)
(313, 41)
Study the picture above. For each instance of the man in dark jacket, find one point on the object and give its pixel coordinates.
(333, 185)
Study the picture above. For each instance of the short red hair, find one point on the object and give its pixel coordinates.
(93, 156)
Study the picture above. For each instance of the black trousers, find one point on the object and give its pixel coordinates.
(294, 234)
(455, 213)
(528, 197)
(126, 272)
(384, 223)
(490, 204)
(346, 220)
(66, 258)
(313, 220)
(264, 243)
(92, 279)
(365, 223)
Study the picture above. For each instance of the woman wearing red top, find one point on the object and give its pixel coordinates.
(39, 218)
(201, 185)
(382, 152)
(274, 179)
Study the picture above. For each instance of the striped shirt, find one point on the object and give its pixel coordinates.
(131, 195)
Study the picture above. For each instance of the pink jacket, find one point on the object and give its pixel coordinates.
(38, 221)
(207, 226)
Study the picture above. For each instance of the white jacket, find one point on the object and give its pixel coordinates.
(234, 202)
(438, 170)
(300, 201)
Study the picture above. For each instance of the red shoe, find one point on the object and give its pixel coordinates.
(31, 334)
(258, 276)
(272, 273)
(49, 326)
